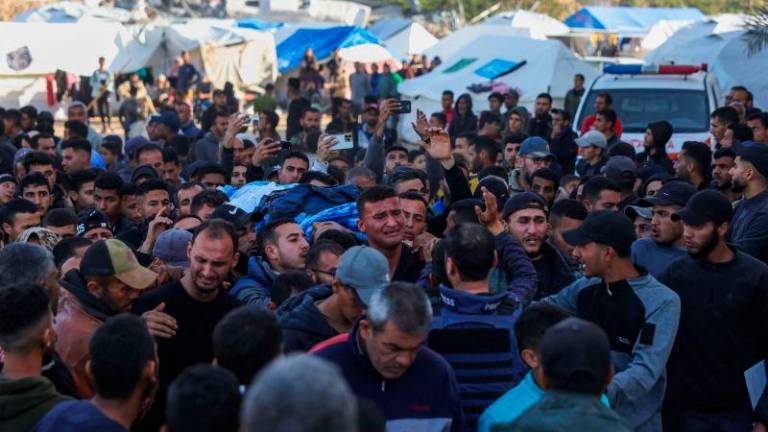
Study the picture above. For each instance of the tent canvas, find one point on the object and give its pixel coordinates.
(539, 25)
(726, 55)
(387, 27)
(447, 47)
(549, 67)
(413, 39)
(71, 12)
(628, 21)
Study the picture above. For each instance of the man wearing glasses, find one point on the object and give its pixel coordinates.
(325, 311)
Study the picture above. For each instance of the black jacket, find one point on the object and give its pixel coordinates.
(303, 325)
(565, 150)
(553, 272)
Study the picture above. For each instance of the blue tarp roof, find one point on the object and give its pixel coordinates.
(322, 41)
(257, 24)
(627, 19)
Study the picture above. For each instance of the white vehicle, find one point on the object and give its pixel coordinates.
(683, 95)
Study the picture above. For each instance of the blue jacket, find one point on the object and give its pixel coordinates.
(640, 316)
(255, 287)
(480, 344)
(514, 403)
(425, 398)
(302, 323)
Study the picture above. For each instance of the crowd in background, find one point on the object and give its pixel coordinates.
(505, 273)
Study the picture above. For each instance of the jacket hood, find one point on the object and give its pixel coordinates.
(465, 303)
(261, 272)
(661, 132)
(18, 396)
(317, 292)
(74, 282)
(307, 318)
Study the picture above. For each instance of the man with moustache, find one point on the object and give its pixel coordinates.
(722, 161)
(183, 314)
(526, 216)
(723, 326)
(749, 230)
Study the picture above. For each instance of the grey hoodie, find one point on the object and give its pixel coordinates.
(23, 402)
(640, 316)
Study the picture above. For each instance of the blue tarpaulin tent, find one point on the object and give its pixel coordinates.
(322, 42)
(257, 24)
(628, 20)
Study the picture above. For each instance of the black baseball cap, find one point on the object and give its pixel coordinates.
(92, 219)
(671, 193)
(705, 206)
(576, 351)
(233, 214)
(144, 171)
(604, 227)
(522, 201)
(757, 155)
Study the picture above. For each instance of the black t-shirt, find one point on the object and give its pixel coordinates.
(193, 340)
(409, 267)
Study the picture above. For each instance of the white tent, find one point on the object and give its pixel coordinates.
(413, 39)
(242, 56)
(661, 32)
(549, 67)
(454, 42)
(725, 53)
(540, 26)
(71, 12)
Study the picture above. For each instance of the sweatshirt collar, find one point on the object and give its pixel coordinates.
(458, 301)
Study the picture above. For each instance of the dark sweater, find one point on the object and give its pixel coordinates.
(193, 340)
(723, 330)
(426, 393)
(749, 227)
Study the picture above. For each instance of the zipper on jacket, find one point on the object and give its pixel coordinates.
(383, 385)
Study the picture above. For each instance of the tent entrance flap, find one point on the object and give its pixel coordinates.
(459, 65)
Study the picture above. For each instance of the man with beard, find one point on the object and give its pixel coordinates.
(526, 218)
(594, 147)
(485, 151)
(534, 153)
(183, 314)
(749, 230)
(666, 243)
(306, 139)
(541, 124)
(693, 164)
(639, 314)
(108, 281)
(723, 161)
(724, 300)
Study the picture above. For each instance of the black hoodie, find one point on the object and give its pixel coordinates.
(658, 163)
(304, 326)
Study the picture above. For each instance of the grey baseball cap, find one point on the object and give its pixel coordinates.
(364, 269)
(171, 247)
(592, 139)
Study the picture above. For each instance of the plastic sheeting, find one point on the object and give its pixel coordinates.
(457, 41)
(628, 21)
(71, 12)
(257, 24)
(324, 41)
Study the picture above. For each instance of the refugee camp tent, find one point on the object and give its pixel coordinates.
(403, 37)
(540, 26)
(71, 12)
(354, 44)
(226, 53)
(454, 42)
(536, 66)
(627, 21)
(725, 53)
(661, 32)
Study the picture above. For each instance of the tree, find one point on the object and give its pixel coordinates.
(756, 36)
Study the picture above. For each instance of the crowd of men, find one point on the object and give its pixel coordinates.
(507, 274)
